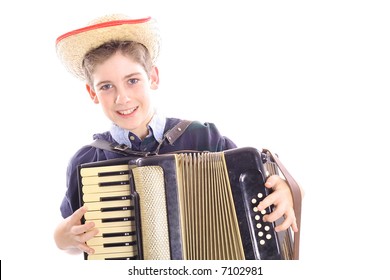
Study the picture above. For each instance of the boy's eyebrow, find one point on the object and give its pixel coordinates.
(132, 74)
(101, 83)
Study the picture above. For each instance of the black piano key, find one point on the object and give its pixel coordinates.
(117, 183)
(113, 173)
(123, 258)
(120, 208)
(121, 219)
(120, 244)
(116, 234)
(113, 198)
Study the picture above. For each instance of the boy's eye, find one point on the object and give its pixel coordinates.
(133, 81)
(106, 87)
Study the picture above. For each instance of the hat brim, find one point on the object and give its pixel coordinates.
(73, 46)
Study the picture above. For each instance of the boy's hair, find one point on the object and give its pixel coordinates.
(131, 49)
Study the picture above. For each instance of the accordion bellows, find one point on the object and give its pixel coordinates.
(191, 206)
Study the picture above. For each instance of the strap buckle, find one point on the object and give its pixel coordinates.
(123, 148)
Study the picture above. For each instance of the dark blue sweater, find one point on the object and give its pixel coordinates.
(198, 136)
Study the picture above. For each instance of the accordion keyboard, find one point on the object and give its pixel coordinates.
(106, 194)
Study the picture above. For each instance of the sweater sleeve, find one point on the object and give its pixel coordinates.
(70, 202)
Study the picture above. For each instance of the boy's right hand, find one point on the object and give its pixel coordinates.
(71, 234)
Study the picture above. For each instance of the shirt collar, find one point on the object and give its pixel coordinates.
(156, 129)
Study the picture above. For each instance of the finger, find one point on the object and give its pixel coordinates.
(266, 202)
(76, 230)
(289, 221)
(85, 248)
(83, 238)
(274, 215)
(88, 235)
(283, 226)
(294, 226)
(292, 219)
(272, 181)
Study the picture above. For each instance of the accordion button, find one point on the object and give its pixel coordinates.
(262, 242)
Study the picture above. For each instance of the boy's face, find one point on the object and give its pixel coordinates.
(122, 87)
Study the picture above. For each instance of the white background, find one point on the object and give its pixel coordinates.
(306, 79)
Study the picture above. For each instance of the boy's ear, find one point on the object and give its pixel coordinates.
(154, 78)
(92, 94)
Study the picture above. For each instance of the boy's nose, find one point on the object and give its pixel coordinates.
(122, 96)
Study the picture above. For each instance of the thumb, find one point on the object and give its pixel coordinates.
(271, 181)
(79, 213)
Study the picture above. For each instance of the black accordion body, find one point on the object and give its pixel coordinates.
(195, 205)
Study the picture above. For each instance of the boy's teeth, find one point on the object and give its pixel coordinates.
(127, 111)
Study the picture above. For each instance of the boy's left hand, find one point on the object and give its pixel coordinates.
(281, 198)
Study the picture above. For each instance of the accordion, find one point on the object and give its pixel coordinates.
(188, 205)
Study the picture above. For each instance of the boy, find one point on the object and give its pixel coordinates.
(117, 56)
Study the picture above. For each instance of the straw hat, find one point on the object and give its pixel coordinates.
(73, 46)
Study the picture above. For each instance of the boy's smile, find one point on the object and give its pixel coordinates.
(128, 112)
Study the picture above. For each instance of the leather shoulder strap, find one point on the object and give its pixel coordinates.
(174, 133)
(117, 148)
(171, 135)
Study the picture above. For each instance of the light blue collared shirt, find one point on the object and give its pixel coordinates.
(156, 128)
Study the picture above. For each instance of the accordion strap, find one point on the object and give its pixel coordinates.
(117, 148)
(171, 136)
(297, 199)
(174, 133)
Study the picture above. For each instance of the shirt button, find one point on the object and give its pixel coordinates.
(132, 138)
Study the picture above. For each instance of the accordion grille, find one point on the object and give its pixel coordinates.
(150, 187)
